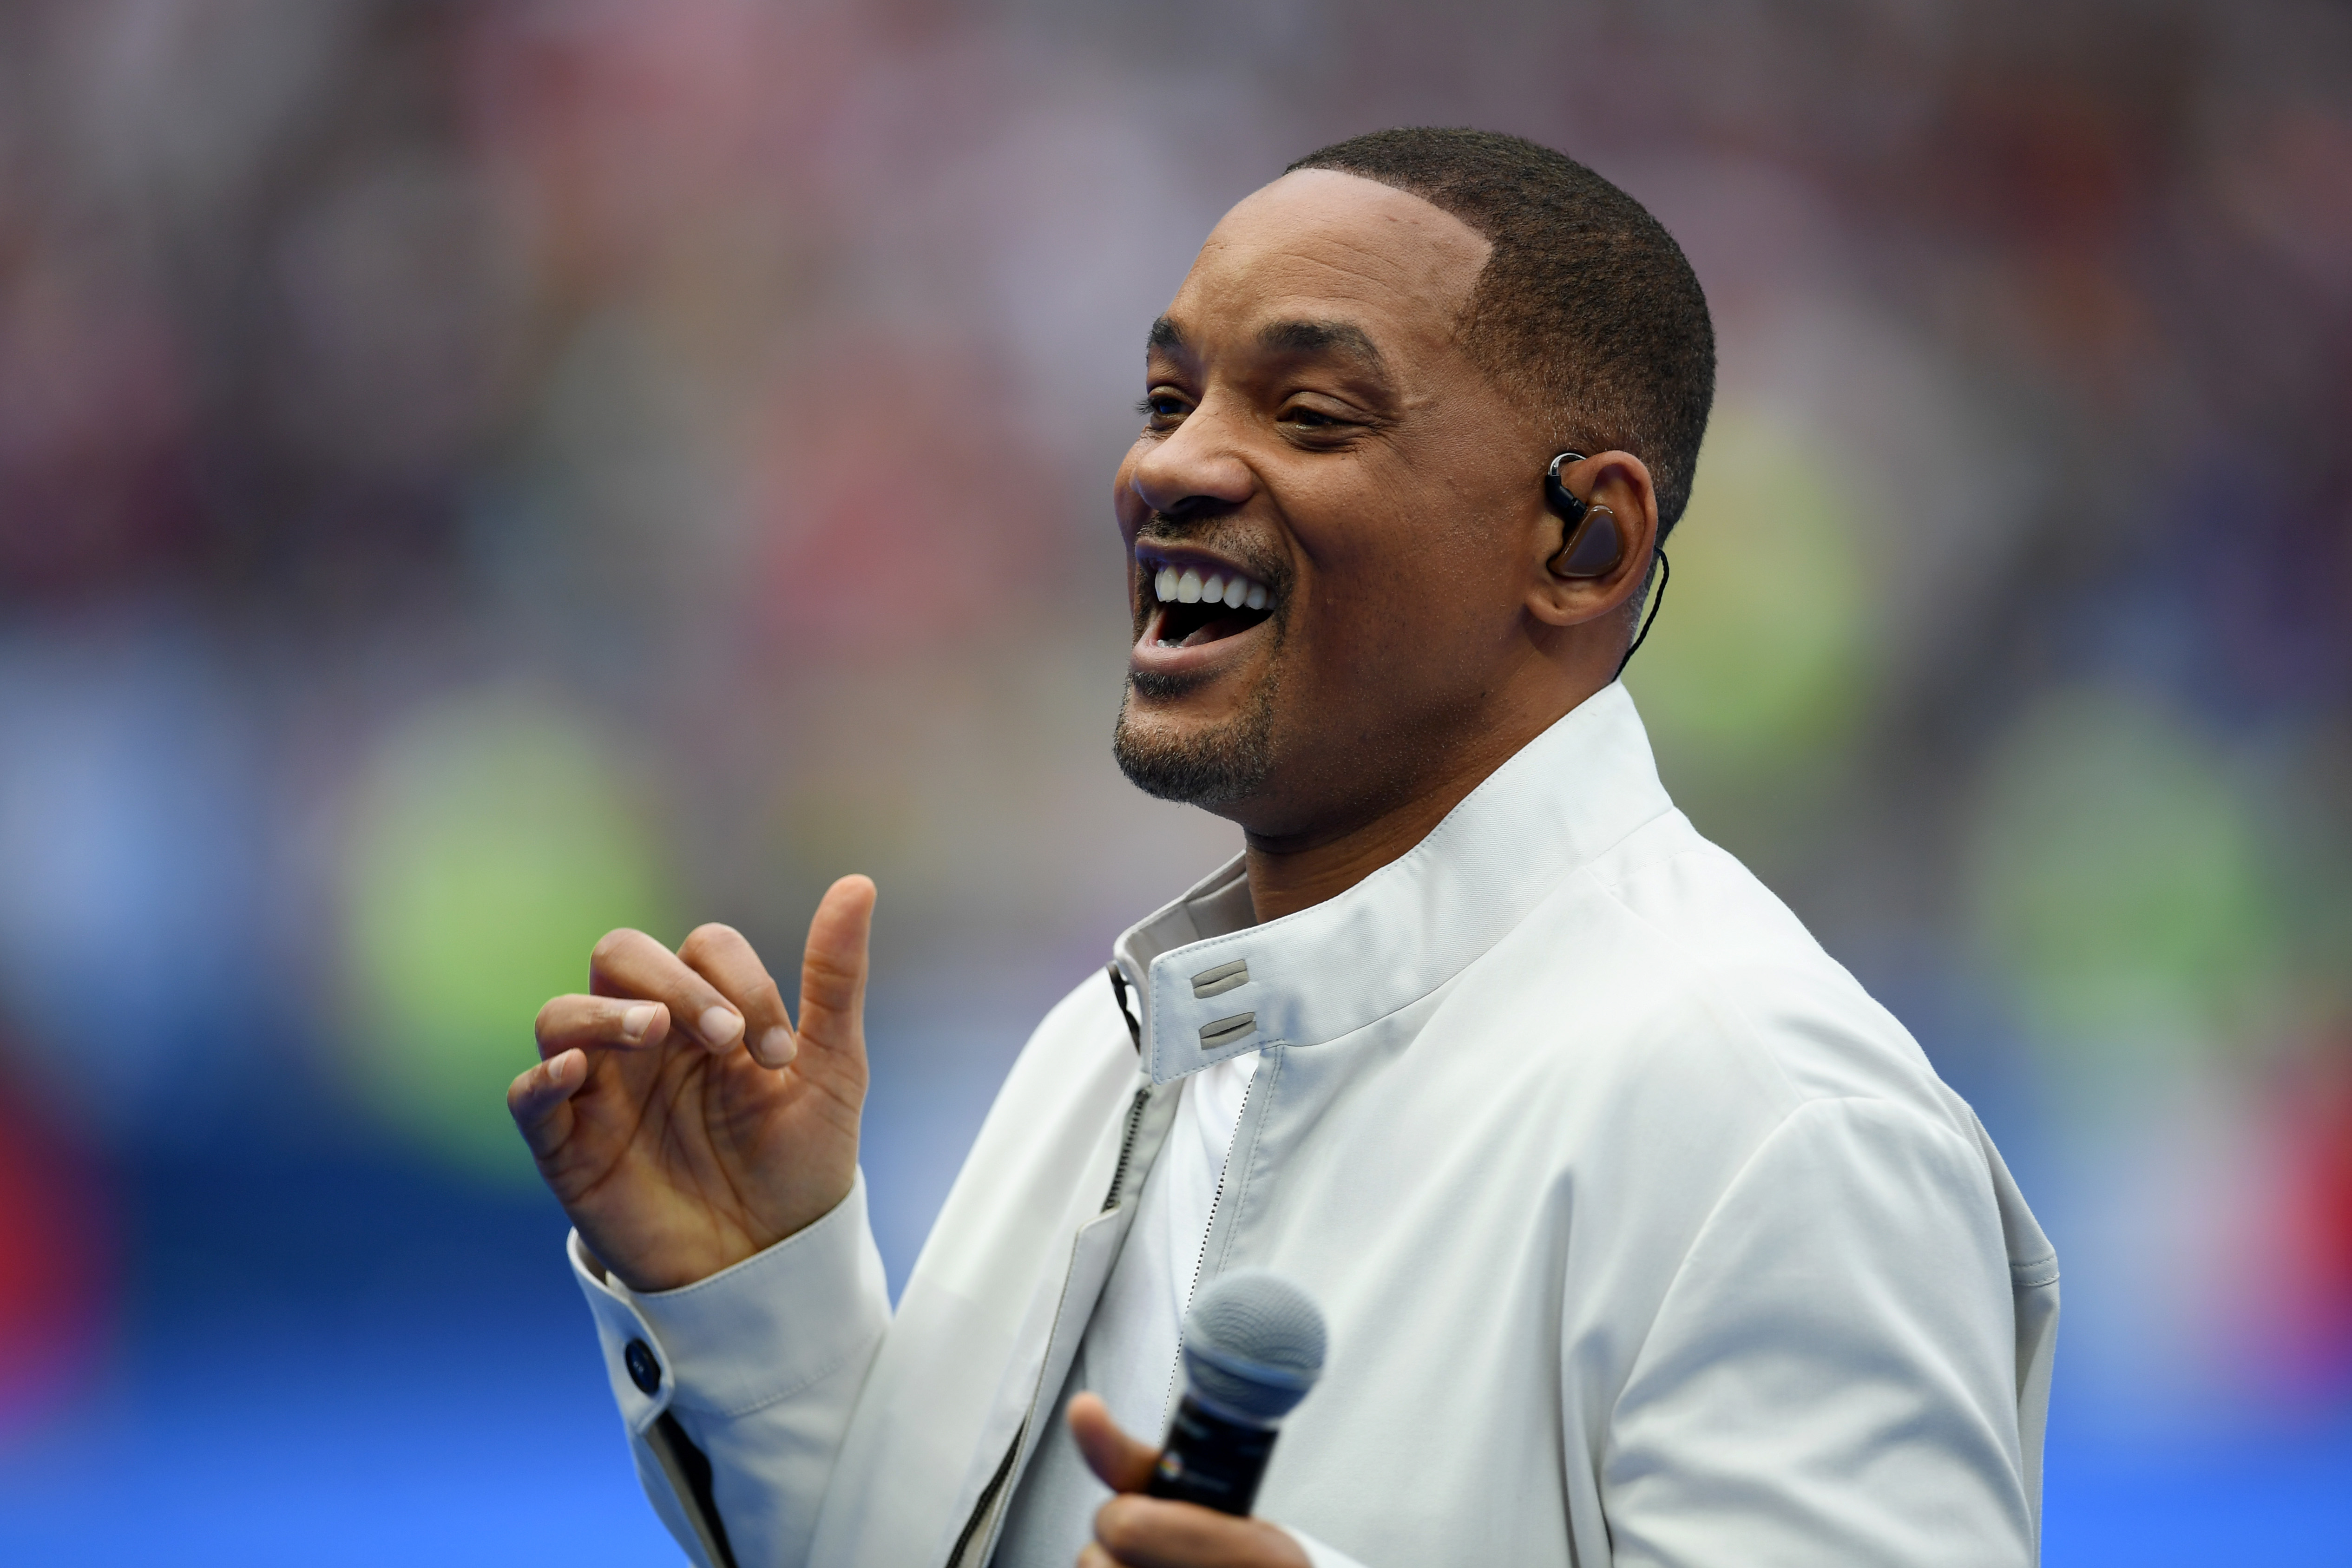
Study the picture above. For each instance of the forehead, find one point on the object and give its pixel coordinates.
(1320, 245)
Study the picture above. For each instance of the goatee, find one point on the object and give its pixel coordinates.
(1208, 768)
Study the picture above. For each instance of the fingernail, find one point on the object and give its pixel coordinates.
(635, 1022)
(719, 1026)
(776, 1048)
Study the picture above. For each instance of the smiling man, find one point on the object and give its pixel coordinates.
(1644, 1235)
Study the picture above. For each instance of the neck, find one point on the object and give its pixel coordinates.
(1284, 880)
(1293, 870)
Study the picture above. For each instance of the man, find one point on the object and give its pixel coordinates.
(1644, 1235)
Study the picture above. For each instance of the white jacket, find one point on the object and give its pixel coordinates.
(1643, 1234)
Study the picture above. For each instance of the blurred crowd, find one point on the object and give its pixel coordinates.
(472, 474)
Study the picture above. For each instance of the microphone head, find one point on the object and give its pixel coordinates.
(1253, 1346)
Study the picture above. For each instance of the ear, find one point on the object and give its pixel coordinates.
(1619, 482)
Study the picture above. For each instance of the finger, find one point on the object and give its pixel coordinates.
(1119, 1461)
(597, 1023)
(539, 1101)
(632, 965)
(720, 955)
(832, 972)
(1152, 1533)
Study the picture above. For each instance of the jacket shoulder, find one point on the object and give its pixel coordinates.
(1719, 966)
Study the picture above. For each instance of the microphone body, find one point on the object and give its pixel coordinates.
(1253, 1346)
(1210, 1459)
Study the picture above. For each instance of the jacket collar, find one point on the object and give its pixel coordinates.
(1213, 985)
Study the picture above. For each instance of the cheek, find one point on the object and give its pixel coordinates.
(1405, 574)
(1359, 572)
(1397, 630)
(1365, 643)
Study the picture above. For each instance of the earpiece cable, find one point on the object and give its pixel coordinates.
(1666, 570)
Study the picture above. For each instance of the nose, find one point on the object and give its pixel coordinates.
(1193, 469)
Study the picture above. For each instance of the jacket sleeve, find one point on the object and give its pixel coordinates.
(1829, 1377)
(737, 1390)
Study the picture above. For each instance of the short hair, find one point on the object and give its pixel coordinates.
(1586, 309)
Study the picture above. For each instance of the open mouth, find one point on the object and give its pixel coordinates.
(1200, 603)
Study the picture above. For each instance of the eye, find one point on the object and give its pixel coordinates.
(1304, 421)
(1161, 407)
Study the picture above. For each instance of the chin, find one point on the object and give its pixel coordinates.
(1209, 762)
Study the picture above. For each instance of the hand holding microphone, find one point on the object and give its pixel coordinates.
(1253, 1346)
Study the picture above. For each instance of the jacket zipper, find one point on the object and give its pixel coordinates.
(1125, 1148)
(1110, 1201)
(987, 1496)
(1216, 1201)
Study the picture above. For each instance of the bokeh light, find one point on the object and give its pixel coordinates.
(2120, 880)
(491, 842)
(1758, 664)
(132, 934)
(56, 1263)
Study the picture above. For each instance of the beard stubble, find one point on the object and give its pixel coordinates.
(1208, 768)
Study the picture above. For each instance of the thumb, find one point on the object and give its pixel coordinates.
(1124, 1463)
(832, 972)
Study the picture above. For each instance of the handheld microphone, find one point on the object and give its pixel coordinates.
(1253, 1347)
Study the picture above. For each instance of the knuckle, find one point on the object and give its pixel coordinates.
(709, 936)
(823, 969)
(610, 946)
(1118, 1526)
(704, 941)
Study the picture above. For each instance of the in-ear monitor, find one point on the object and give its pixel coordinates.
(1591, 544)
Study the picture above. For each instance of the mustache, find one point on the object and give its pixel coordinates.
(1221, 531)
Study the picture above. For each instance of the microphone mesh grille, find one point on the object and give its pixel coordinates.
(1253, 1343)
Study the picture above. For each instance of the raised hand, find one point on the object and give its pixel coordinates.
(1132, 1530)
(676, 1113)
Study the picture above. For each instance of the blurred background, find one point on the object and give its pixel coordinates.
(472, 474)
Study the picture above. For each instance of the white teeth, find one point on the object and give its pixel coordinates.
(1185, 585)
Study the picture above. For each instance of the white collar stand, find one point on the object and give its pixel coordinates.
(1213, 985)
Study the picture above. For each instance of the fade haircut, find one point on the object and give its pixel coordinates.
(1586, 312)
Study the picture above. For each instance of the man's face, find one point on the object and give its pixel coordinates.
(1330, 512)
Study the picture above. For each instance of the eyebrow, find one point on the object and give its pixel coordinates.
(1342, 338)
